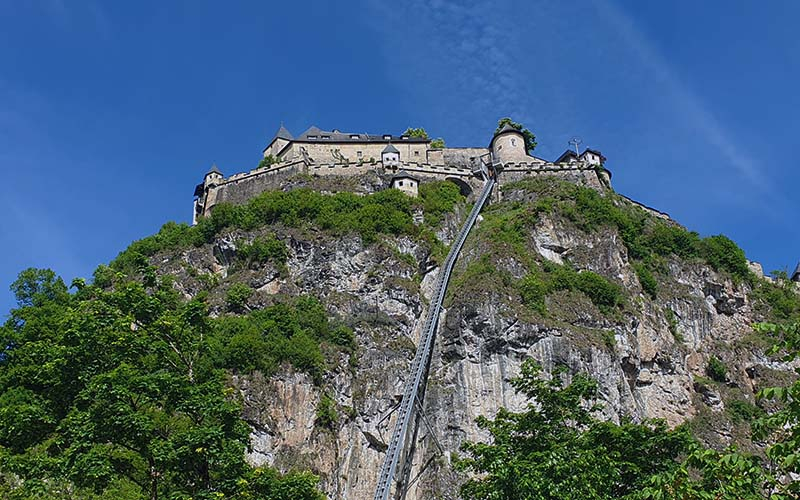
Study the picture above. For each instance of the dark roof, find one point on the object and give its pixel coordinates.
(214, 170)
(282, 133)
(566, 155)
(506, 128)
(390, 149)
(404, 175)
(796, 273)
(315, 134)
(199, 189)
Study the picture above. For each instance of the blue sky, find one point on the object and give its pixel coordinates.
(111, 112)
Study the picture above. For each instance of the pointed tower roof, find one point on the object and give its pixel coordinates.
(796, 273)
(507, 128)
(390, 149)
(214, 170)
(283, 133)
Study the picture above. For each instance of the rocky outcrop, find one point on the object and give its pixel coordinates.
(647, 359)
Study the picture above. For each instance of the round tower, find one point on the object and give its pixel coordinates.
(508, 144)
(213, 176)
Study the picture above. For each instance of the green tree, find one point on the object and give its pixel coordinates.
(114, 392)
(530, 138)
(557, 449)
(416, 132)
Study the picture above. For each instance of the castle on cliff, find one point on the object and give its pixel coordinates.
(406, 161)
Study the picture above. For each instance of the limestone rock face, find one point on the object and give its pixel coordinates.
(646, 362)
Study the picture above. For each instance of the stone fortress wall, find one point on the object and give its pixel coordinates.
(417, 158)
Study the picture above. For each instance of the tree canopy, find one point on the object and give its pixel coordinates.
(117, 392)
(530, 138)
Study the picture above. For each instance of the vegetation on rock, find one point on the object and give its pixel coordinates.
(118, 390)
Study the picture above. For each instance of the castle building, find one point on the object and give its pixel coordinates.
(323, 146)
(406, 182)
(796, 274)
(407, 161)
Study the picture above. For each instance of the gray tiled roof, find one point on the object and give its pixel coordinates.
(390, 149)
(282, 133)
(214, 170)
(507, 128)
(404, 175)
(315, 134)
(566, 155)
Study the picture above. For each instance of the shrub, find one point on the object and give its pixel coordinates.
(604, 294)
(533, 291)
(327, 417)
(723, 255)
(743, 411)
(646, 279)
(237, 296)
(267, 161)
(438, 198)
(437, 143)
(263, 250)
(716, 369)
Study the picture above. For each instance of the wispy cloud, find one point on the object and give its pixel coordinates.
(687, 103)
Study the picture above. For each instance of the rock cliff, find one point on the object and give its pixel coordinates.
(649, 350)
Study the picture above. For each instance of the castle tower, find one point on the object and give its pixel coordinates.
(204, 194)
(508, 144)
(212, 177)
(281, 139)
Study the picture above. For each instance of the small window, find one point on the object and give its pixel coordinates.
(513, 142)
(359, 154)
(387, 137)
(400, 183)
(354, 136)
(312, 136)
(404, 137)
(325, 137)
(416, 153)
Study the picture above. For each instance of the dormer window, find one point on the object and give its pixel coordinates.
(354, 136)
(325, 137)
(312, 136)
(404, 137)
(387, 137)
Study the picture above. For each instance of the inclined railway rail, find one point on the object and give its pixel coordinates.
(401, 446)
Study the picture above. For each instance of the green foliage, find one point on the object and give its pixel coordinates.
(778, 301)
(534, 287)
(530, 138)
(646, 279)
(743, 411)
(782, 427)
(438, 198)
(293, 331)
(263, 250)
(711, 475)
(114, 392)
(557, 449)
(717, 370)
(646, 238)
(416, 132)
(672, 323)
(327, 417)
(237, 296)
(267, 161)
(386, 212)
(438, 143)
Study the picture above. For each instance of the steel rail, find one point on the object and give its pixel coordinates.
(419, 367)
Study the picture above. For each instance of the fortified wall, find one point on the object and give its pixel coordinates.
(406, 159)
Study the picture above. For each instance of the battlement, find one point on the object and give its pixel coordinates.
(321, 153)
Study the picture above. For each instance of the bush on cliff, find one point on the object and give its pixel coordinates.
(117, 391)
(384, 212)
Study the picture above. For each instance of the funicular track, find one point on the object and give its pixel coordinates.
(397, 463)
